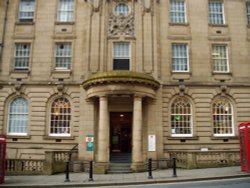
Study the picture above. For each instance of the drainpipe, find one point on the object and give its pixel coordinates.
(4, 31)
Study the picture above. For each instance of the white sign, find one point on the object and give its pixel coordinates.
(151, 143)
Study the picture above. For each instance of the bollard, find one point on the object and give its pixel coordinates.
(91, 171)
(174, 167)
(150, 169)
(67, 172)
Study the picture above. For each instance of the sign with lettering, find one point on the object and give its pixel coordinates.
(90, 142)
(151, 143)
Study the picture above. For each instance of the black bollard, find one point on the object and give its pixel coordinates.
(174, 167)
(150, 169)
(67, 172)
(91, 171)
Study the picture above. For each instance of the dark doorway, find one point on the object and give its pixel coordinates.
(120, 132)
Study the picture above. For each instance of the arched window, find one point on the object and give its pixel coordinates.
(60, 117)
(181, 117)
(222, 117)
(18, 117)
(122, 9)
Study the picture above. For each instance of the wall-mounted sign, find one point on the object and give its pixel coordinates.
(90, 142)
(151, 143)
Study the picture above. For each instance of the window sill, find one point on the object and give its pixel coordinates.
(19, 74)
(61, 74)
(218, 25)
(181, 75)
(58, 138)
(183, 138)
(25, 23)
(224, 138)
(64, 23)
(18, 136)
(178, 24)
(226, 76)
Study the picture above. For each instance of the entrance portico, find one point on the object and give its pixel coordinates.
(131, 88)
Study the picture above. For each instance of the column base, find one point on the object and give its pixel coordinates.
(101, 168)
(139, 167)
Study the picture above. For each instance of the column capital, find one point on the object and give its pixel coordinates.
(138, 96)
(103, 97)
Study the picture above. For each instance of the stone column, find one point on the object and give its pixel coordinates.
(103, 131)
(137, 132)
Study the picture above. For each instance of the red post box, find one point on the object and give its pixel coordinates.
(244, 138)
(2, 157)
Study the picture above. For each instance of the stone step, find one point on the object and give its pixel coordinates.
(119, 168)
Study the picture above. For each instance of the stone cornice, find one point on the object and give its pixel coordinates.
(101, 78)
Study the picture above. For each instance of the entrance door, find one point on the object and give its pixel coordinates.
(120, 132)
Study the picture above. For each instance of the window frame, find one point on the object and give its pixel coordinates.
(213, 56)
(228, 102)
(122, 13)
(178, 12)
(26, 114)
(211, 22)
(114, 57)
(248, 12)
(190, 115)
(27, 57)
(69, 121)
(63, 56)
(69, 12)
(173, 58)
(26, 19)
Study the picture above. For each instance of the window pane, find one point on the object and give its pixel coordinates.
(26, 10)
(220, 58)
(121, 57)
(63, 56)
(177, 11)
(122, 9)
(60, 117)
(18, 116)
(216, 12)
(66, 11)
(22, 56)
(222, 117)
(181, 117)
(179, 57)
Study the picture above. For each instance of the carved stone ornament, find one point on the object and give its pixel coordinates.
(224, 90)
(147, 5)
(121, 25)
(95, 4)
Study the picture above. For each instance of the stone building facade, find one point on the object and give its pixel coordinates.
(149, 78)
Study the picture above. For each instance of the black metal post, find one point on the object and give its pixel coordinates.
(150, 169)
(174, 167)
(67, 169)
(91, 171)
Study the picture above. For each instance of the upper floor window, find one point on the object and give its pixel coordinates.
(180, 58)
(222, 117)
(248, 12)
(63, 56)
(178, 11)
(216, 12)
(220, 58)
(121, 56)
(18, 117)
(122, 9)
(22, 56)
(181, 117)
(26, 10)
(60, 117)
(66, 11)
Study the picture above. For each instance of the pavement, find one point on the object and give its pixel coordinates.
(108, 180)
